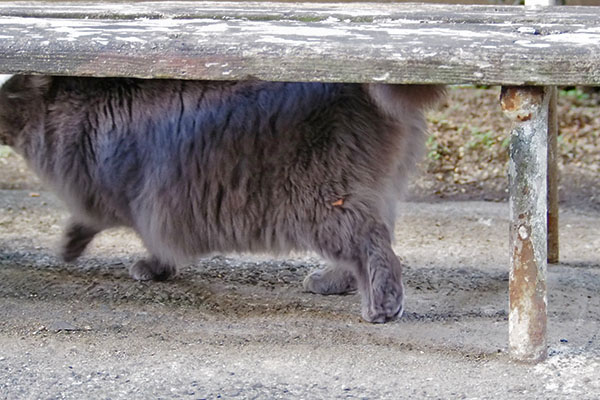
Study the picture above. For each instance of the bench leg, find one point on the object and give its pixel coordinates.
(553, 253)
(528, 108)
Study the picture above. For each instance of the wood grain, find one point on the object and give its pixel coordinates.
(396, 43)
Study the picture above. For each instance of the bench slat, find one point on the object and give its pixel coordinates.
(358, 12)
(353, 43)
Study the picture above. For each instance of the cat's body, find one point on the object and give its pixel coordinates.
(201, 167)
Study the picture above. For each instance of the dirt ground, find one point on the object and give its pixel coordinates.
(241, 326)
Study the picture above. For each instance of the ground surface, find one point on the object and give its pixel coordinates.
(241, 327)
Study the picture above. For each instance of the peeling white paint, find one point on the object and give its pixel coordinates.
(517, 332)
(382, 77)
(588, 30)
(304, 31)
(279, 40)
(523, 233)
(451, 33)
(75, 32)
(218, 27)
(103, 42)
(130, 39)
(527, 29)
(576, 38)
(529, 43)
(485, 221)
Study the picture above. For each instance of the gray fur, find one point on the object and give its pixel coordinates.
(198, 167)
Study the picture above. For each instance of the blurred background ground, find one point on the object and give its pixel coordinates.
(467, 153)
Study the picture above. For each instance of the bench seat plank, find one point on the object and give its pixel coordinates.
(395, 43)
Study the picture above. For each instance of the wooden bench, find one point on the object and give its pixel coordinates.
(524, 49)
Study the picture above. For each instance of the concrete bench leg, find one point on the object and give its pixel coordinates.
(528, 108)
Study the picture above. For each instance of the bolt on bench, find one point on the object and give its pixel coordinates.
(526, 50)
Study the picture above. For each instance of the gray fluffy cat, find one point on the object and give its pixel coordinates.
(197, 167)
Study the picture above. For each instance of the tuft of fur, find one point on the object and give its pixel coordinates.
(197, 167)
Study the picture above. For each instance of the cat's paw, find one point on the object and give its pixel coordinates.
(330, 280)
(387, 304)
(146, 270)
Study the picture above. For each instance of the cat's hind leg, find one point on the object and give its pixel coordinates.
(335, 279)
(76, 237)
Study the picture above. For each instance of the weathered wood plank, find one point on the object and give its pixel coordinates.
(396, 43)
(305, 12)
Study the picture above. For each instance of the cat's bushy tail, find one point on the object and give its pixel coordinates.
(393, 99)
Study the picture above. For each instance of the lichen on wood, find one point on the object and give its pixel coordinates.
(394, 43)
